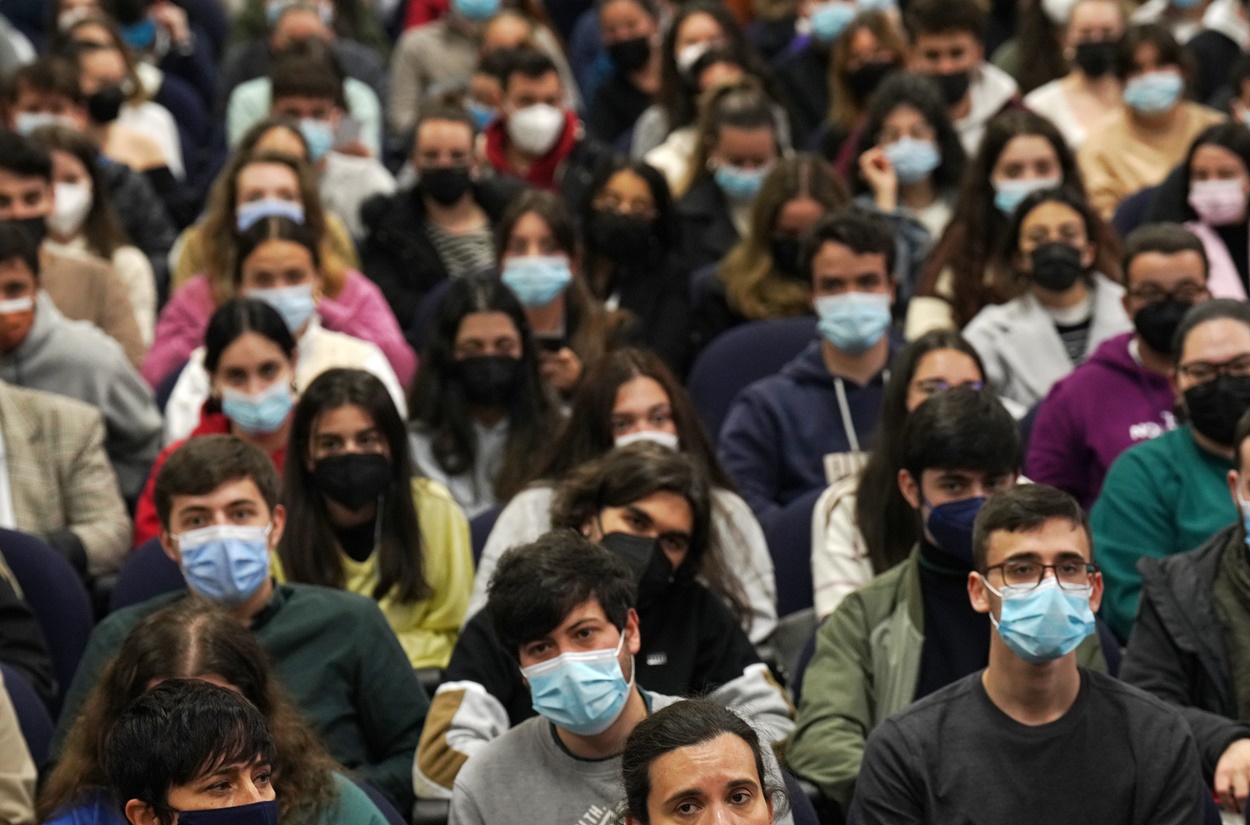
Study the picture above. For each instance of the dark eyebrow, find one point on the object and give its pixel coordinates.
(639, 512)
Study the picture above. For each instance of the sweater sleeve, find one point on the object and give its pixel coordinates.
(352, 807)
(748, 448)
(179, 329)
(94, 509)
(117, 318)
(448, 561)
(1104, 188)
(839, 556)
(361, 311)
(525, 518)
(745, 549)
(1056, 454)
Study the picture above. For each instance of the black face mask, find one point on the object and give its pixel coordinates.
(1056, 266)
(632, 54)
(785, 252)
(621, 238)
(353, 479)
(488, 379)
(865, 80)
(653, 572)
(36, 228)
(106, 104)
(1216, 406)
(1156, 323)
(1095, 59)
(954, 85)
(445, 184)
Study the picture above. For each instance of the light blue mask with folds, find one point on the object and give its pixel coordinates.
(537, 280)
(853, 321)
(740, 184)
(1009, 193)
(581, 692)
(476, 11)
(295, 304)
(248, 214)
(1040, 624)
(1153, 93)
(482, 114)
(318, 135)
(830, 19)
(913, 160)
(225, 562)
(259, 414)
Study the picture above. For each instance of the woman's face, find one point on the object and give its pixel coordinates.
(865, 48)
(1094, 21)
(275, 264)
(251, 364)
(903, 121)
(626, 193)
(531, 235)
(940, 370)
(712, 783)
(282, 141)
(1146, 58)
(664, 516)
(258, 181)
(67, 168)
(1027, 157)
(698, 29)
(346, 429)
(487, 333)
(720, 73)
(101, 67)
(1051, 222)
(753, 148)
(642, 405)
(229, 786)
(1211, 162)
(797, 215)
(621, 20)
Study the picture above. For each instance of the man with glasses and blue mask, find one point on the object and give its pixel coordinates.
(809, 425)
(563, 607)
(911, 631)
(1034, 737)
(1169, 495)
(333, 651)
(1191, 642)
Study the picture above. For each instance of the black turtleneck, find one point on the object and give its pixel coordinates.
(956, 637)
(1237, 238)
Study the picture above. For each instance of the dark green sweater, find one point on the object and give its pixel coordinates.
(338, 660)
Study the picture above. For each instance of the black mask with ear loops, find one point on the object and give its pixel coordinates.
(653, 572)
(1056, 266)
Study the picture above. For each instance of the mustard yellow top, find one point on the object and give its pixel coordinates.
(427, 629)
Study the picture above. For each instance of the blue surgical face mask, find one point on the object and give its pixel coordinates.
(225, 562)
(295, 304)
(258, 813)
(140, 35)
(913, 160)
(259, 414)
(318, 135)
(830, 19)
(853, 321)
(476, 11)
(1154, 92)
(247, 214)
(482, 114)
(1040, 624)
(583, 693)
(537, 280)
(950, 526)
(740, 184)
(1009, 193)
(876, 5)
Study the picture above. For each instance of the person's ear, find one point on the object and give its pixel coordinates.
(1088, 255)
(910, 489)
(979, 594)
(633, 640)
(277, 520)
(141, 813)
(170, 545)
(1095, 593)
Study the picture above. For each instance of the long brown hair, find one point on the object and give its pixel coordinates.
(193, 638)
(744, 105)
(102, 228)
(846, 108)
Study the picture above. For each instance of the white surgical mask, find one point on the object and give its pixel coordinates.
(535, 129)
(72, 203)
(654, 436)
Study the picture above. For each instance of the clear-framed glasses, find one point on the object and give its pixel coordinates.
(1070, 574)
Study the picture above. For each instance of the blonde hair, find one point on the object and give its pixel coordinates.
(844, 109)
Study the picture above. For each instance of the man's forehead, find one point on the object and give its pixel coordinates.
(1055, 536)
(228, 493)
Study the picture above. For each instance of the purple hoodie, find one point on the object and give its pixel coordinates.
(1105, 406)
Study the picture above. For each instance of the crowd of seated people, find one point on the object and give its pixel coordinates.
(593, 411)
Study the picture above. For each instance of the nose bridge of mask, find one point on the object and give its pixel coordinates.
(664, 439)
(221, 532)
(575, 657)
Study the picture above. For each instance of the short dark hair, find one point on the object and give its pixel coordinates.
(1025, 508)
(308, 69)
(864, 232)
(961, 429)
(204, 463)
(177, 731)
(535, 586)
(16, 244)
(24, 157)
(1213, 310)
(1164, 238)
(941, 16)
(682, 725)
(47, 74)
(238, 316)
(528, 62)
(453, 114)
(1171, 52)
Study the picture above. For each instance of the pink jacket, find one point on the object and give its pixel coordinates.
(1222, 280)
(359, 311)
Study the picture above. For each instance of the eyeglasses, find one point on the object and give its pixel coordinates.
(1071, 574)
(1185, 294)
(932, 386)
(1202, 372)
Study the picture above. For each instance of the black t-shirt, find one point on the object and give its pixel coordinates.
(1119, 755)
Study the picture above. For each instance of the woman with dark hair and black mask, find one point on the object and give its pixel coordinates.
(480, 410)
(358, 519)
(630, 32)
(629, 236)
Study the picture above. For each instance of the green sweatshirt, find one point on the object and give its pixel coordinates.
(338, 660)
(1161, 497)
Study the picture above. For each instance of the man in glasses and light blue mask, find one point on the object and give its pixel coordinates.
(809, 425)
(333, 651)
(1034, 737)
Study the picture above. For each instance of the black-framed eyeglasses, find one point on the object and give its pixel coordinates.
(1185, 294)
(1200, 372)
(932, 386)
(1070, 574)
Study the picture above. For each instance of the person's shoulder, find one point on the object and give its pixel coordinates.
(1137, 707)
(1046, 95)
(328, 604)
(507, 753)
(1204, 115)
(65, 412)
(926, 713)
(433, 500)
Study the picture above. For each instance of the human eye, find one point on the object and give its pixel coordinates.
(1240, 367)
(1021, 572)
(620, 424)
(1013, 171)
(635, 521)
(1070, 568)
(687, 808)
(741, 797)
(536, 649)
(661, 417)
(953, 486)
(242, 514)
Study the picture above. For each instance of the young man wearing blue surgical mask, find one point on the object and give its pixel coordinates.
(810, 424)
(333, 651)
(563, 608)
(1137, 145)
(1034, 737)
(910, 631)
